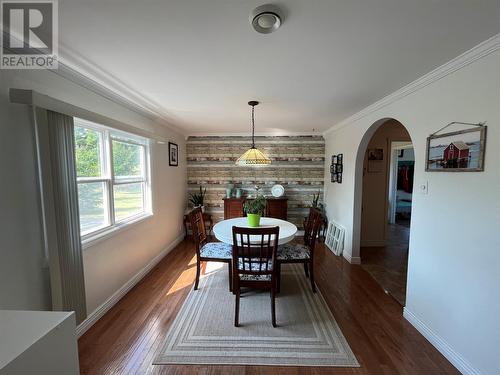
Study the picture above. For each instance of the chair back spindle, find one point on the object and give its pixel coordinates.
(313, 225)
(198, 227)
(254, 250)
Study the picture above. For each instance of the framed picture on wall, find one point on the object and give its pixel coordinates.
(460, 151)
(173, 154)
(375, 154)
(375, 160)
(337, 168)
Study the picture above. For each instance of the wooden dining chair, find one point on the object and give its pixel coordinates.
(208, 251)
(302, 252)
(254, 263)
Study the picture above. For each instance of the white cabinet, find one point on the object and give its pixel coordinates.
(38, 342)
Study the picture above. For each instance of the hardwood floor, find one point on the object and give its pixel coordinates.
(388, 265)
(127, 338)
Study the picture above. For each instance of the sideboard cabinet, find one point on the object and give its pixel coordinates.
(275, 207)
(233, 207)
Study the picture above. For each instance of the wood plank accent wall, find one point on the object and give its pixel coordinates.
(298, 165)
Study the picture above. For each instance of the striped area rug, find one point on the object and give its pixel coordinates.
(307, 334)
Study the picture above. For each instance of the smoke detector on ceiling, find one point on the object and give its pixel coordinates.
(265, 19)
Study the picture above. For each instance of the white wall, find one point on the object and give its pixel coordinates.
(109, 264)
(454, 264)
(24, 282)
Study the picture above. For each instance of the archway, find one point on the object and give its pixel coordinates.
(380, 243)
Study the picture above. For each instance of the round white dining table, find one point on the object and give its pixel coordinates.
(223, 230)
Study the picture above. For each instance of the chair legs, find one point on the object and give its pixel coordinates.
(230, 274)
(237, 293)
(198, 270)
(273, 305)
(308, 269)
(278, 278)
(311, 276)
(237, 308)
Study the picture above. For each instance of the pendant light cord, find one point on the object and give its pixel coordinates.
(253, 127)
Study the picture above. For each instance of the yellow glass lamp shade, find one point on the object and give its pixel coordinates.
(253, 157)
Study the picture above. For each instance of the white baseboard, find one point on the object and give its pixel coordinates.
(351, 259)
(444, 348)
(97, 314)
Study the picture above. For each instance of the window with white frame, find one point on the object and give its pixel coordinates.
(112, 175)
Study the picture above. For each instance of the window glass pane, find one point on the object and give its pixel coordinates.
(91, 204)
(127, 159)
(128, 200)
(87, 151)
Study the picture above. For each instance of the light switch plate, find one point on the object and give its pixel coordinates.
(423, 187)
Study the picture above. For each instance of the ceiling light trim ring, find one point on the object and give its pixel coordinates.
(266, 30)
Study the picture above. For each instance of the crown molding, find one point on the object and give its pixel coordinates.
(478, 52)
(257, 134)
(85, 74)
(93, 78)
(36, 99)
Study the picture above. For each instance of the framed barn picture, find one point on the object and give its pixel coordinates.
(460, 151)
(173, 154)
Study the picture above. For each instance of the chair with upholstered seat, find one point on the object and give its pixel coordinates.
(208, 251)
(254, 263)
(302, 252)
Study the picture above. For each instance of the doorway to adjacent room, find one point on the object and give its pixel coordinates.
(386, 207)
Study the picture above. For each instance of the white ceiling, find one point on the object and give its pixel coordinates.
(198, 62)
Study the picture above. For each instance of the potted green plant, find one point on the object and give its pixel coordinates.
(315, 201)
(254, 209)
(316, 204)
(197, 199)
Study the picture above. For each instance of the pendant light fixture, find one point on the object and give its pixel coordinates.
(253, 156)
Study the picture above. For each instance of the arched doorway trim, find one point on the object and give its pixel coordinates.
(358, 185)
